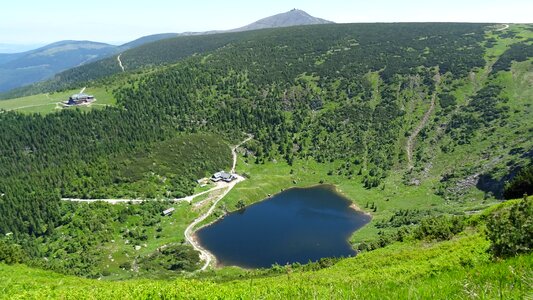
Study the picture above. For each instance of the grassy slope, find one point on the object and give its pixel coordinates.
(174, 155)
(118, 252)
(454, 269)
(47, 103)
(273, 177)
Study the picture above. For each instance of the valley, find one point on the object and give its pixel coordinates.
(421, 127)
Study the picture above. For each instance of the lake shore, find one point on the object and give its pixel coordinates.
(296, 225)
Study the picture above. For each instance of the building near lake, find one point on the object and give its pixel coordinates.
(224, 176)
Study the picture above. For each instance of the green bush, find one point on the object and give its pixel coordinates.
(510, 229)
(173, 257)
(125, 265)
(11, 253)
(439, 228)
(521, 184)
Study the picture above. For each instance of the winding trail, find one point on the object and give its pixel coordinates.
(505, 26)
(412, 138)
(234, 152)
(219, 185)
(205, 255)
(189, 199)
(120, 62)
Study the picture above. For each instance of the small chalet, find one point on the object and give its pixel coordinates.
(224, 176)
(168, 212)
(81, 98)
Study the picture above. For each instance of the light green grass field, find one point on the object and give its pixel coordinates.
(273, 177)
(456, 269)
(49, 103)
(119, 251)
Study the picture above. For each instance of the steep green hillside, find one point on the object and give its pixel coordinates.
(455, 269)
(168, 169)
(153, 50)
(408, 120)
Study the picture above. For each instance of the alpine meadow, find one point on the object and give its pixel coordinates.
(109, 167)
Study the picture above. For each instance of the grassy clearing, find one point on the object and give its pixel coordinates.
(121, 251)
(455, 269)
(49, 103)
(273, 177)
(393, 195)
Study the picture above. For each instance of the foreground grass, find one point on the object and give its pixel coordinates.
(455, 269)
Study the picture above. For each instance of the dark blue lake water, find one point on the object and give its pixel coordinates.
(297, 225)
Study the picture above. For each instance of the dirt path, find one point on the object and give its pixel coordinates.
(412, 138)
(137, 201)
(234, 152)
(120, 62)
(505, 26)
(110, 201)
(205, 255)
(219, 185)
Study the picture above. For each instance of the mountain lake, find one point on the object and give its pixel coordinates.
(296, 225)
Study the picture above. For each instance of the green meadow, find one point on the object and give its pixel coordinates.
(51, 102)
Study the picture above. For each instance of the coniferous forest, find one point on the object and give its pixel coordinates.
(344, 96)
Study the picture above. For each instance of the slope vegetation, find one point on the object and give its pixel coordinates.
(161, 51)
(325, 104)
(454, 269)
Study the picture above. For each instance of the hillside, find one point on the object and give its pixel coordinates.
(419, 125)
(22, 69)
(454, 269)
(147, 39)
(7, 57)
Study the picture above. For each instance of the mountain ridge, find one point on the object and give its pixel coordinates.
(294, 17)
(32, 66)
(14, 66)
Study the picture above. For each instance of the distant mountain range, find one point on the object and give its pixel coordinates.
(20, 69)
(16, 48)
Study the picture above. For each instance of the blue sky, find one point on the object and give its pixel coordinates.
(115, 21)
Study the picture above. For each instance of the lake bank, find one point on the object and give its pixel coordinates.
(297, 225)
